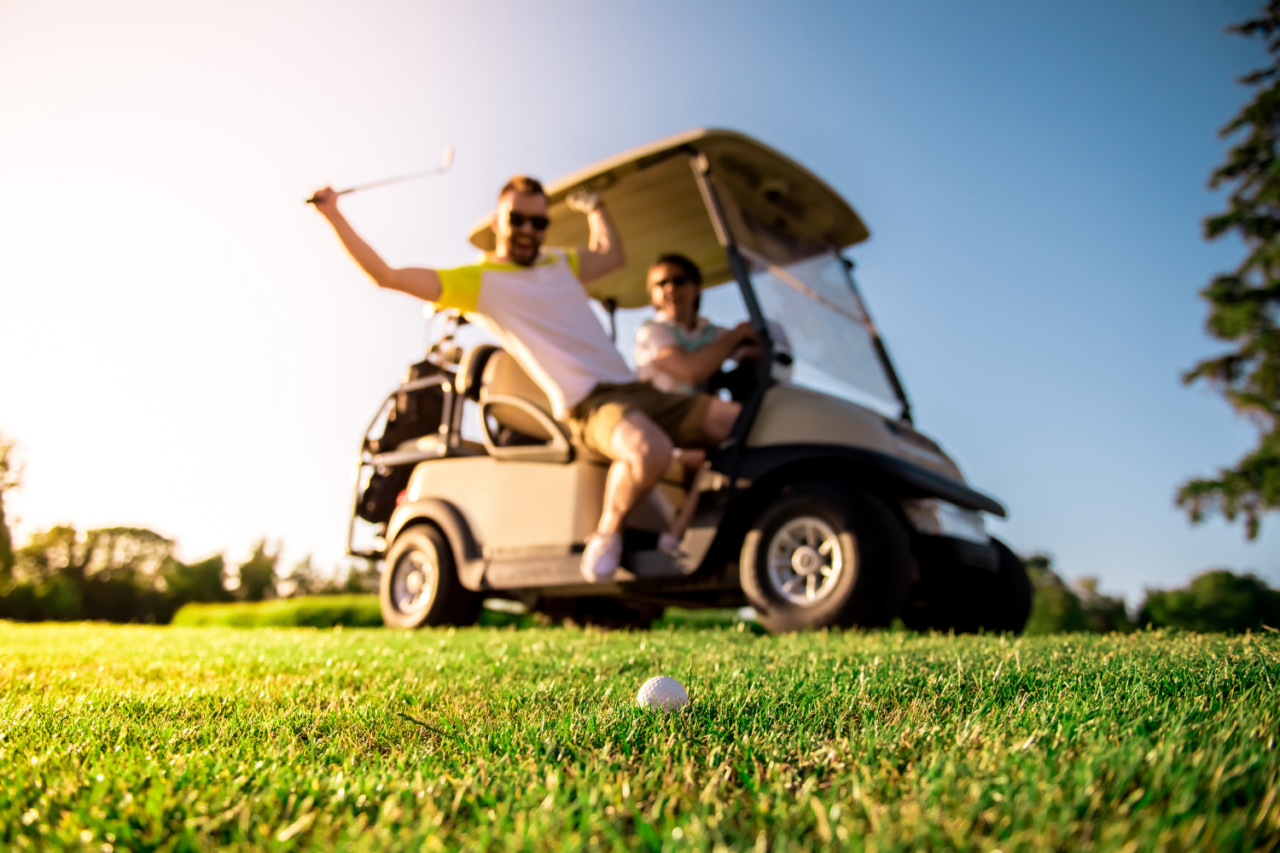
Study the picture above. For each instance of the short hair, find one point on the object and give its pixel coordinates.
(677, 260)
(524, 185)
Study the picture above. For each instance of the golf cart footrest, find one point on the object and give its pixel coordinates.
(565, 569)
(513, 573)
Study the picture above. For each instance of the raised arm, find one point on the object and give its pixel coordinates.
(604, 253)
(696, 366)
(415, 281)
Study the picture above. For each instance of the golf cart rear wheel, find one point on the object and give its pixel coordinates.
(420, 584)
(824, 555)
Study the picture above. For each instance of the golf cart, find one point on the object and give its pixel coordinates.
(824, 508)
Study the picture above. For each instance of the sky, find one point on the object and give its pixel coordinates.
(184, 346)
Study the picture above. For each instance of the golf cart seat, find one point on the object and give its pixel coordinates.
(510, 400)
(495, 380)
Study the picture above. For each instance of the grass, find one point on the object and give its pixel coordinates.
(144, 738)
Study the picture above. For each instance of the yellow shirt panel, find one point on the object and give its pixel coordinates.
(460, 287)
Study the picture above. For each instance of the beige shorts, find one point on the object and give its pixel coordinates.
(680, 416)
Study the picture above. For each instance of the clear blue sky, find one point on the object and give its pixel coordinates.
(184, 345)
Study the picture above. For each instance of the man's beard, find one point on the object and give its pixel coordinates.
(524, 256)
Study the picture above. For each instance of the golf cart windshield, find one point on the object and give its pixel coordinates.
(825, 328)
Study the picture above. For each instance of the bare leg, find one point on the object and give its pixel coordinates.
(691, 460)
(716, 426)
(641, 452)
(718, 423)
(680, 523)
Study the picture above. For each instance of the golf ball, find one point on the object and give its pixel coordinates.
(663, 693)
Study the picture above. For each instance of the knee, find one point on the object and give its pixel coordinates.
(645, 449)
(655, 453)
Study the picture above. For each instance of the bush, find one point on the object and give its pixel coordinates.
(362, 611)
(1218, 600)
(321, 611)
(1057, 608)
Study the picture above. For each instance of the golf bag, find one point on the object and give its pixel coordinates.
(414, 414)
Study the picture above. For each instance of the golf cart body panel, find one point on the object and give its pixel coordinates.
(524, 520)
(798, 423)
(795, 415)
(824, 447)
(449, 519)
(530, 505)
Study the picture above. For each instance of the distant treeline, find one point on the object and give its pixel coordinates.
(129, 574)
(1215, 602)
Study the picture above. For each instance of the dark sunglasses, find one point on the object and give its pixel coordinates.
(676, 280)
(517, 220)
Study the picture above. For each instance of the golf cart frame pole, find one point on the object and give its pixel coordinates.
(881, 351)
(728, 459)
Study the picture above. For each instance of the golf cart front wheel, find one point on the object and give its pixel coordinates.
(966, 600)
(420, 584)
(823, 555)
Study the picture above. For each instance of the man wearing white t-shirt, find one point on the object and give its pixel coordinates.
(533, 300)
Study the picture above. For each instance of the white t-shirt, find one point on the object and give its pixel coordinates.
(654, 336)
(543, 318)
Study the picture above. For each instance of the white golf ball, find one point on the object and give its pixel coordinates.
(663, 693)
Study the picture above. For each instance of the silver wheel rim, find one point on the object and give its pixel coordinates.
(805, 561)
(413, 583)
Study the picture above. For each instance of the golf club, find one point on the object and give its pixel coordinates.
(439, 170)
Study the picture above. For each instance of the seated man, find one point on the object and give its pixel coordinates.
(533, 301)
(678, 350)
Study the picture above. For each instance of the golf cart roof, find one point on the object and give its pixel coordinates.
(657, 206)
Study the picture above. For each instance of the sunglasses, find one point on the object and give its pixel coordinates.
(675, 280)
(517, 220)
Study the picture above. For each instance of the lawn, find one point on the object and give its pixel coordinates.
(145, 738)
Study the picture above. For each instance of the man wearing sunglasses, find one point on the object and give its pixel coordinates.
(532, 298)
(679, 349)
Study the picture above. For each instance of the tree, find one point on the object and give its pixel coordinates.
(1103, 614)
(303, 579)
(1058, 608)
(1214, 601)
(1055, 609)
(113, 573)
(258, 573)
(203, 581)
(362, 576)
(1244, 305)
(58, 552)
(10, 479)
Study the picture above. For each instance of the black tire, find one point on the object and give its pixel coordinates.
(856, 569)
(1010, 602)
(968, 600)
(436, 596)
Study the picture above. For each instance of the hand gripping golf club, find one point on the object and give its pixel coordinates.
(439, 170)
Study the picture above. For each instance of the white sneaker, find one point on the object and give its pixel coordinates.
(601, 557)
